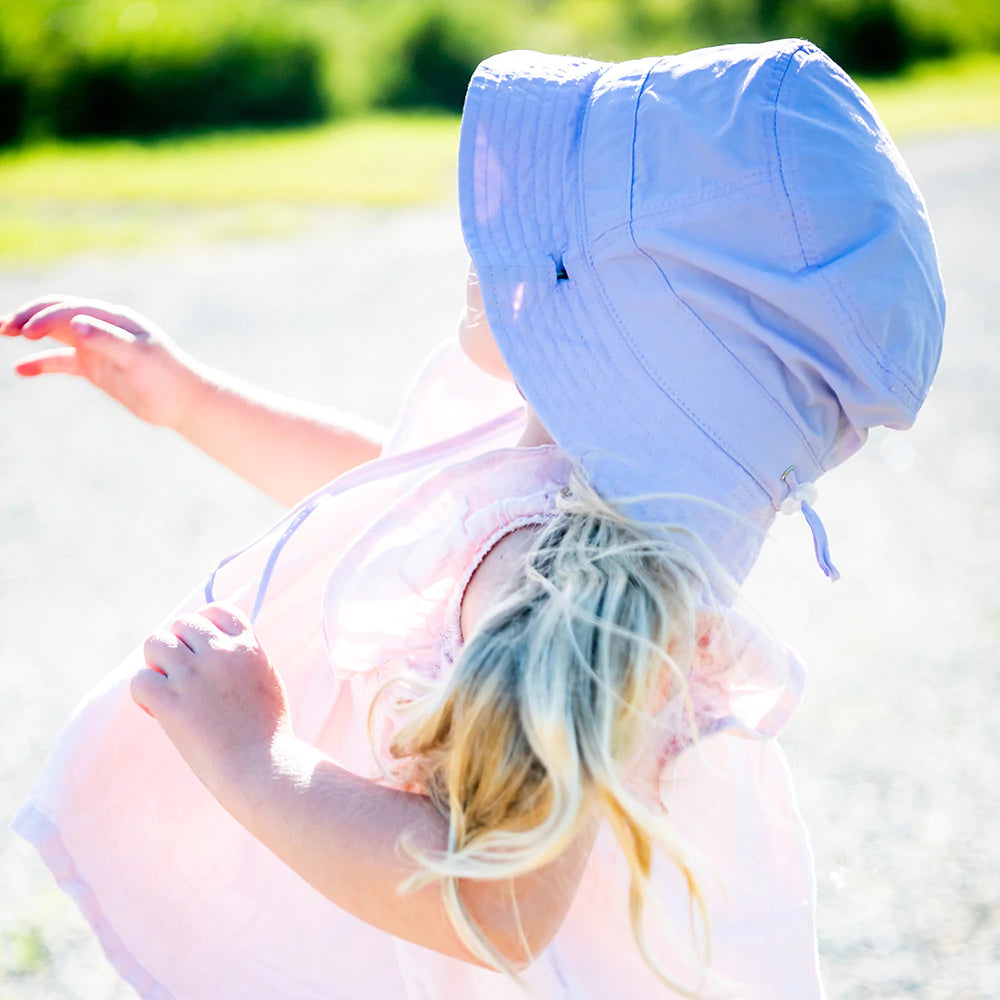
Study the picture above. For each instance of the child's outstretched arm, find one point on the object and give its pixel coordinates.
(218, 698)
(284, 447)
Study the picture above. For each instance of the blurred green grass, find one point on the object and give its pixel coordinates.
(58, 198)
(380, 160)
(963, 92)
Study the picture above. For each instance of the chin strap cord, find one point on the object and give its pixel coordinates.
(801, 497)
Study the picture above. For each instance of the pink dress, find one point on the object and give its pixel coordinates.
(364, 580)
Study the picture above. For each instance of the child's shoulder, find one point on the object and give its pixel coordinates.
(501, 568)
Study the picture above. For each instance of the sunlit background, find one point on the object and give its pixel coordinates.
(274, 184)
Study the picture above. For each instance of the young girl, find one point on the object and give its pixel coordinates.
(479, 716)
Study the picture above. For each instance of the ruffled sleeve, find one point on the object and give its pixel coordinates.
(740, 681)
(392, 608)
(391, 605)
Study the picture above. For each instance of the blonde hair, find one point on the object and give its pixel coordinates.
(549, 706)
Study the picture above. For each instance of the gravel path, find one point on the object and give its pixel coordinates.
(104, 523)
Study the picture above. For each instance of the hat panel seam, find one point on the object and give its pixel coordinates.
(773, 103)
(719, 440)
(851, 321)
(620, 439)
(890, 377)
(590, 378)
(737, 366)
(857, 326)
(581, 210)
(714, 438)
(684, 210)
(582, 228)
(858, 335)
(609, 305)
(635, 129)
(577, 307)
(792, 246)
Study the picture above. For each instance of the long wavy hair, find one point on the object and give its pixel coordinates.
(549, 708)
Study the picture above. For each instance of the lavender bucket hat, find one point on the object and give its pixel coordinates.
(710, 274)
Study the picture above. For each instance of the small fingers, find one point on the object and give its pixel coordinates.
(150, 690)
(71, 322)
(11, 324)
(193, 631)
(165, 652)
(51, 321)
(227, 618)
(63, 360)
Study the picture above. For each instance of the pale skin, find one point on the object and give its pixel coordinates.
(213, 689)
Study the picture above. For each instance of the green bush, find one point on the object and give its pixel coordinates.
(431, 64)
(144, 67)
(239, 82)
(873, 37)
(120, 68)
(14, 90)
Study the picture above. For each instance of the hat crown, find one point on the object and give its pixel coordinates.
(781, 214)
(705, 271)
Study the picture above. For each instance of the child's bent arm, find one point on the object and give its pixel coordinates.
(284, 447)
(220, 701)
(341, 833)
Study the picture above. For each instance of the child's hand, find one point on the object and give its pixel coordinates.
(218, 698)
(118, 350)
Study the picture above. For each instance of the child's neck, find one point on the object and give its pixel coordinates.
(534, 433)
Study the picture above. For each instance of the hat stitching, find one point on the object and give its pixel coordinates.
(591, 298)
(895, 380)
(684, 213)
(560, 273)
(492, 270)
(693, 417)
(852, 320)
(582, 312)
(773, 103)
(514, 229)
(720, 440)
(888, 375)
(611, 370)
(682, 207)
(785, 217)
(583, 228)
(739, 367)
(543, 207)
(517, 218)
(711, 192)
(588, 377)
(542, 216)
